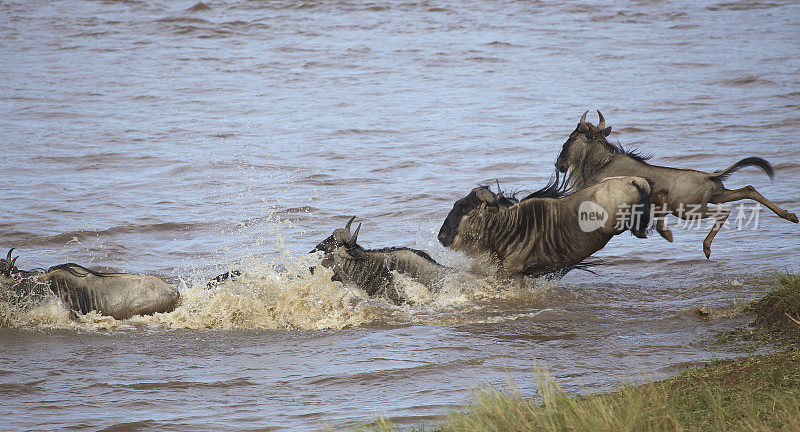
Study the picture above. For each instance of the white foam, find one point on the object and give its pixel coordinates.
(283, 294)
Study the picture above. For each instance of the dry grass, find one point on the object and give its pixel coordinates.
(779, 310)
(753, 394)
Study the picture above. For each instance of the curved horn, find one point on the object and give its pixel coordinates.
(355, 235)
(602, 124)
(8, 257)
(11, 266)
(582, 126)
(347, 227)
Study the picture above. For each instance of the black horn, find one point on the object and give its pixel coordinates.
(347, 227)
(354, 238)
(582, 126)
(8, 257)
(602, 124)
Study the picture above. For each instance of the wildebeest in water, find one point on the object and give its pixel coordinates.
(119, 295)
(548, 232)
(372, 269)
(589, 157)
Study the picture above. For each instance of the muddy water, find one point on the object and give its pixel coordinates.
(183, 139)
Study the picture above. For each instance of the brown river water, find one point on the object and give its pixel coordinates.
(183, 139)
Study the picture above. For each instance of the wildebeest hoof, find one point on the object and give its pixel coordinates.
(639, 234)
(707, 251)
(666, 233)
(791, 217)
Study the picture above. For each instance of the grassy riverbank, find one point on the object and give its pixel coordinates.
(758, 393)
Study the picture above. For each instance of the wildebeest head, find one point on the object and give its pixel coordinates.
(479, 196)
(582, 142)
(342, 241)
(7, 267)
(587, 150)
(340, 237)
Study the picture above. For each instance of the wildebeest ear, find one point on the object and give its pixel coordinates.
(607, 131)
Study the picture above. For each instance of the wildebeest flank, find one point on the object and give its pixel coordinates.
(119, 295)
(540, 235)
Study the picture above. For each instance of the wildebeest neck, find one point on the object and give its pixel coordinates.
(599, 156)
(449, 229)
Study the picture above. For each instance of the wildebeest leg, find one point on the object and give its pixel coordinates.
(659, 200)
(661, 227)
(720, 216)
(749, 192)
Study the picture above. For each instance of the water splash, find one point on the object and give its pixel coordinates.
(283, 294)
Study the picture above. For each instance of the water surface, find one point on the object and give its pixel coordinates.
(182, 139)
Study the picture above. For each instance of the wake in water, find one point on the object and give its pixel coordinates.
(283, 294)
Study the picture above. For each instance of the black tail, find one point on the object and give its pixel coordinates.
(754, 161)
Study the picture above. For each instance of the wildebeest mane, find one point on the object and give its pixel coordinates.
(594, 161)
(79, 270)
(390, 249)
(633, 152)
(80, 300)
(556, 187)
(595, 133)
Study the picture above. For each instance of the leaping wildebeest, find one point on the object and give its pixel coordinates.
(372, 269)
(119, 295)
(548, 233)
(589, 158)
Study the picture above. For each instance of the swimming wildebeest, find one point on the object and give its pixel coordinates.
(546, 232)
(119, 295)
(589, 157)
(372, 269)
